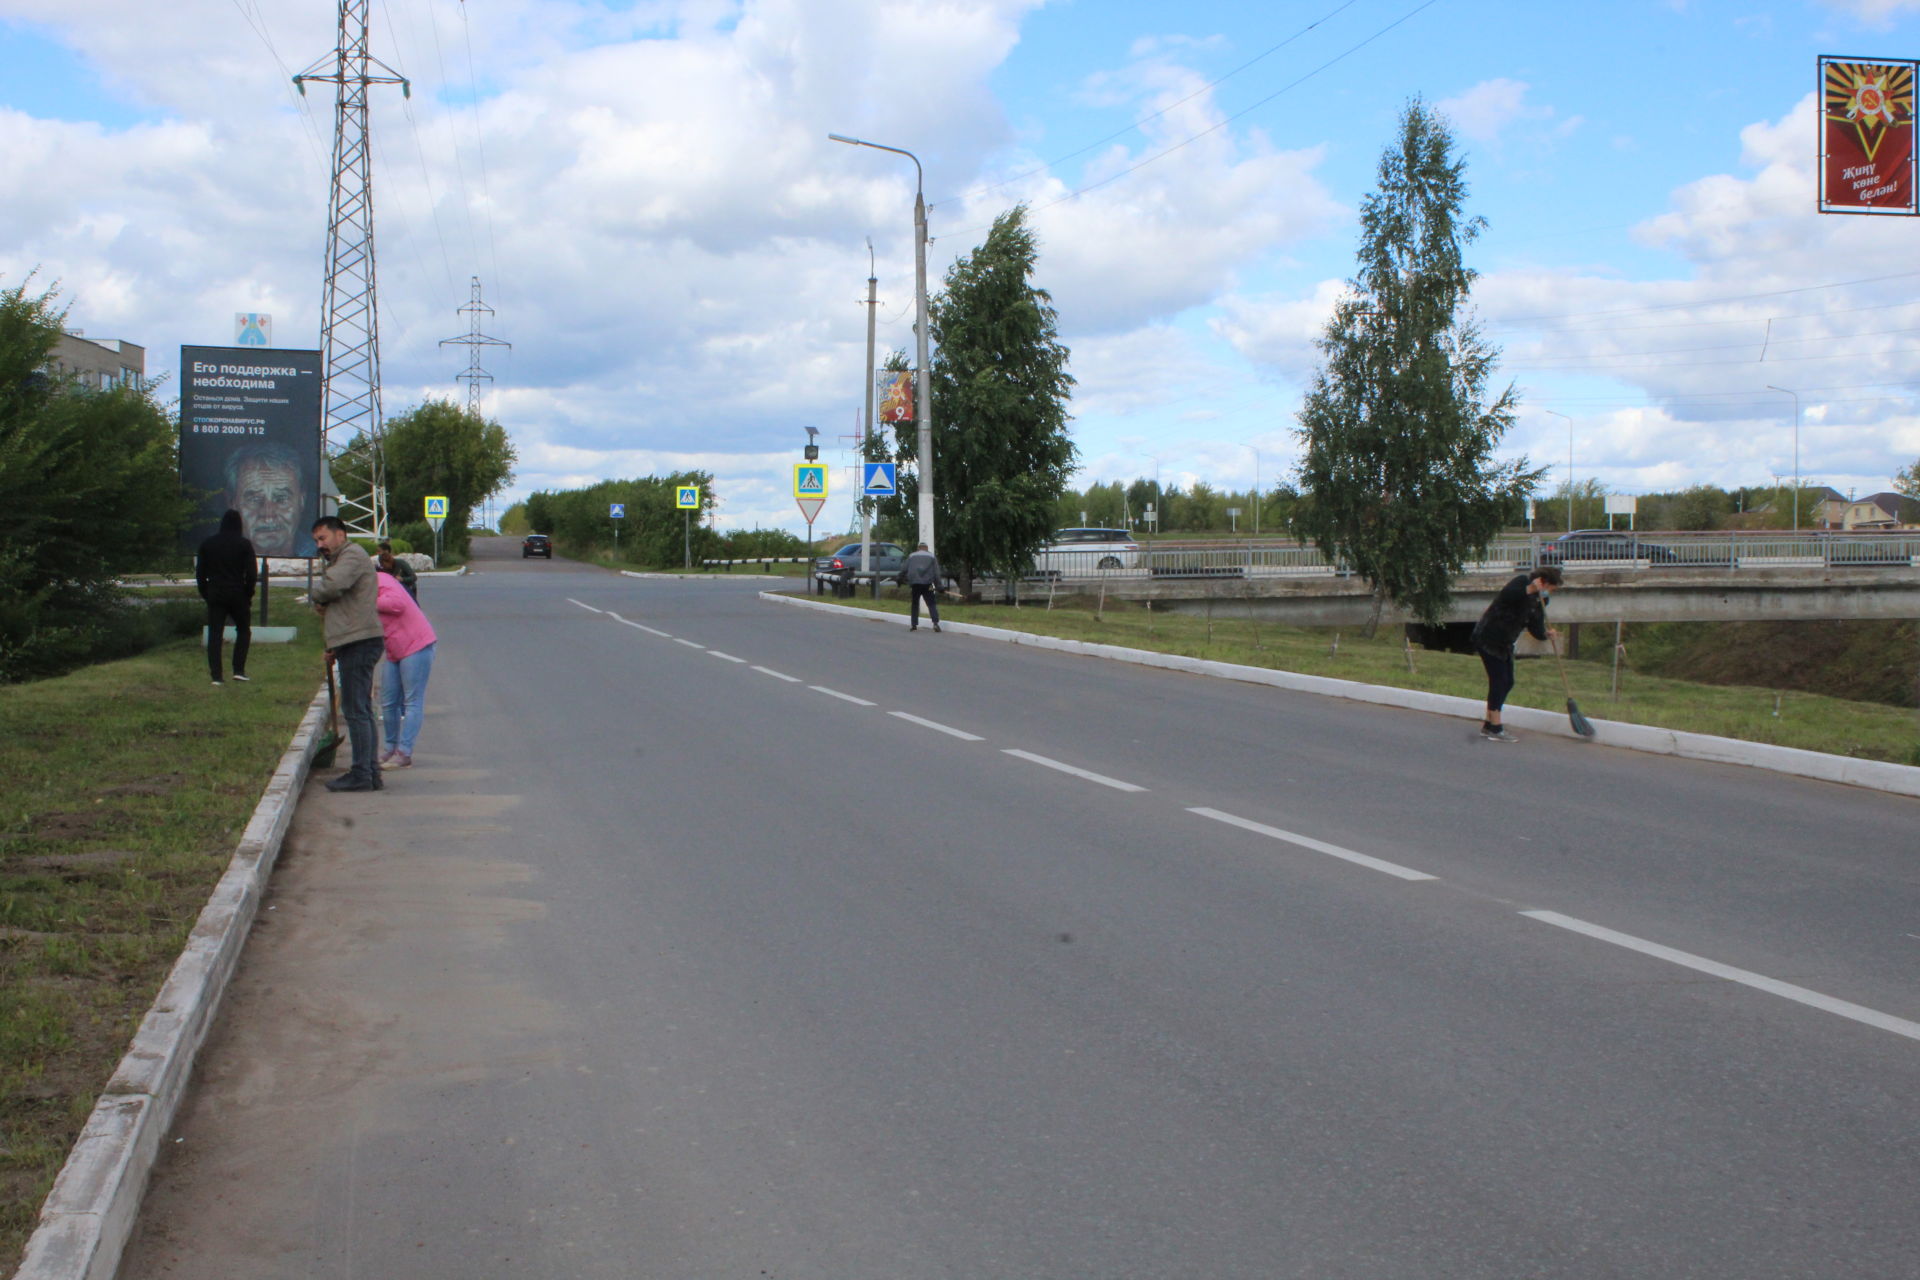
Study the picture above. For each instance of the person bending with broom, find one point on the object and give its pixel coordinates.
(1518, 606)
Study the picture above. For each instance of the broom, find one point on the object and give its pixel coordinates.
(330, 740)
(1581, 725)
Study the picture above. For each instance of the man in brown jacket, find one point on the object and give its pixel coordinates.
(347, 596)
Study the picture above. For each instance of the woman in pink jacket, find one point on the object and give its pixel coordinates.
(403, 687)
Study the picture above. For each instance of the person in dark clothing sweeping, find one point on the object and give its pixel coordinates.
(1518, 606)
(227, 572)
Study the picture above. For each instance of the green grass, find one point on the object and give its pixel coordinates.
(128, 784)
(1869, 730)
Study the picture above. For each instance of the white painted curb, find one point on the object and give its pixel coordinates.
(1876, 775)
(90, 1212)
(704, 577)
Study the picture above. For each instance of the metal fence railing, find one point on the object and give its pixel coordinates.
(1623, 550)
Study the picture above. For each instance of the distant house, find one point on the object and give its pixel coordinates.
(1884, 511)
(99, 363)
(1823, 507)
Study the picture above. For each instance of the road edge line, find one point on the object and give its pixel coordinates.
(89, 1215)
(1873, 775)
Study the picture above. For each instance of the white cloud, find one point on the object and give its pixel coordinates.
(1488, 111)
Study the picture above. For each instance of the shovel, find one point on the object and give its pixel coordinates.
(330, 740)
(1581, 725)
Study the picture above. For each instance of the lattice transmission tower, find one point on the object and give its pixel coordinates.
(473, 340)
(349, 310)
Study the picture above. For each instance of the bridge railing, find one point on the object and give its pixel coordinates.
(1728, 551)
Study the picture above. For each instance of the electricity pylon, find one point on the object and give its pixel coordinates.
(349, 310)
(473, 341)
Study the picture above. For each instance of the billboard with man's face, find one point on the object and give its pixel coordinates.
(250, 441)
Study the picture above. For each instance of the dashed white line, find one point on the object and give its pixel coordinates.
(638, 626)
(1318, 846)
(589, 608)
(935, 724)
(844, 697)
(690, 644)
(778, 675)
(1759, 982)
(725, 657)
(1077, 772)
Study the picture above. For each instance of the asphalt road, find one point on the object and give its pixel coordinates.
(711, 937)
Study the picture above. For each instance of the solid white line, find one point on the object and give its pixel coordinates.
(1318, 846)
(835, 693)
(690, 644)
(1759, 982)
(769, 671)
(934, 724)
(1102, 779)
(589, 608)
(715, 653)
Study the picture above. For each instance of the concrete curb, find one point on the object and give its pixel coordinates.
(89, 1215)
(1875, 775)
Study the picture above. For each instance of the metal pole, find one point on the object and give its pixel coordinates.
(1256, 488)
(866, 504)
(1796, 451)
(686, 538)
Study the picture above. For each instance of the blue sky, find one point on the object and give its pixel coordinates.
(677, 253)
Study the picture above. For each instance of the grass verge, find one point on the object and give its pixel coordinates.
(128, 784)
(1867, 730)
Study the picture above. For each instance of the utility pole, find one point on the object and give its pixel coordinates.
(473, 341)
(866, 503)
(349, 312)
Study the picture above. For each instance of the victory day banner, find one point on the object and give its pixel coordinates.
(1866, 137)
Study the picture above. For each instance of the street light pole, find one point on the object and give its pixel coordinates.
(1796, 451)
(1256, 488)
(1570, 470)
(923, 380)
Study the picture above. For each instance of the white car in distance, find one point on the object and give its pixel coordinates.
(1087, 552)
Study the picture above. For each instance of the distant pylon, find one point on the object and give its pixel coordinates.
(473, 341)
(349, 308)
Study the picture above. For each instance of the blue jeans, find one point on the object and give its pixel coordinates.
(403, 698)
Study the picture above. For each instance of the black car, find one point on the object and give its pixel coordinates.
(1604, 544)
(536, 544)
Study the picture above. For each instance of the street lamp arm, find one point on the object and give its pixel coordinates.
(918, 175)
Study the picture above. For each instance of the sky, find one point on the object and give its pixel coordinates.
(678, 254)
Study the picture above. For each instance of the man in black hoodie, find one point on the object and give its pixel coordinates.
(1518, 606)
(227, 573)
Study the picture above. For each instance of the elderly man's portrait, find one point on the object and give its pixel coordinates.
(267, 484)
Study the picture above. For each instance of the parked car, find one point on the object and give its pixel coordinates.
(885, 558)
(1076, 551)
(1604, 544)
(536, 544)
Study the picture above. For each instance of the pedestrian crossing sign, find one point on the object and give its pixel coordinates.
(880, 480)
(810, 480)
(436, 508)
(687, 497)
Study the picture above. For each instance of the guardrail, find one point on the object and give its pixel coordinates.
(1630, 551)
(765, 562)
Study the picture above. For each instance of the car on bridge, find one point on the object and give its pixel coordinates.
(1084, 551)
(1586, 545)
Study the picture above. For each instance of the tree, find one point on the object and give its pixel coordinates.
(438, 448)
(1907, 482)
(1398, 438)
(1000, 389)
(89, 489)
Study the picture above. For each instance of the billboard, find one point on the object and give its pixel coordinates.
(893, 390)
(1866, 136)
(250, 441)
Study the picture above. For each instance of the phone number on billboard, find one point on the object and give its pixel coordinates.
(228, 429)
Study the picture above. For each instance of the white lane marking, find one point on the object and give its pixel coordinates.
(637, 626)
(935, 724)
(778, 675)
(589, 608)
(725, 657)
(844, 697)
(1090, 776)
(1759, 982)
(690, 644)
(1318, 846)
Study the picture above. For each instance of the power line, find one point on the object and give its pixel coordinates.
(1705, 302)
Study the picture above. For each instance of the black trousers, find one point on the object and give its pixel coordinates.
(1499, 677)
(926, 591)
(357, 662)
(224, 607)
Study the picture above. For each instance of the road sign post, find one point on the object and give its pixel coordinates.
(616, 512)
(436, 516)
(687, 498)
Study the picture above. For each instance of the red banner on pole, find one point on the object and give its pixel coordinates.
(1866, 136)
